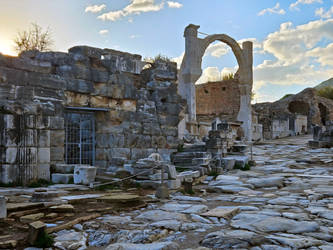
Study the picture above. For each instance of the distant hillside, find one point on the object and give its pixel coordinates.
(327, 83)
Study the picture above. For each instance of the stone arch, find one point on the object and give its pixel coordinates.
(191, 70)
(236, 49)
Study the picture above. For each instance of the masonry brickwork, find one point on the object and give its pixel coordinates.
(136, 111)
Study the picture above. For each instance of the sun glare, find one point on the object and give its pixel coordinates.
(6, 47)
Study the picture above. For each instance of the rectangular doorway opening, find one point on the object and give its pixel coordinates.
(80, 138)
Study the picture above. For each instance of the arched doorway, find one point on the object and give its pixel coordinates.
(191, 70)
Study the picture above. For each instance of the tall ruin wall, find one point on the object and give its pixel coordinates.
(218, 99)
(136, 111)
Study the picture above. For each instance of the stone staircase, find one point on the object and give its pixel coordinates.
(63, 173)
(192, 157)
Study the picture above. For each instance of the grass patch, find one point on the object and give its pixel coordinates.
(239, 166)
(44, 240)
(12, 184)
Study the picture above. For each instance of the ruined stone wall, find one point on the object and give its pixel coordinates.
(218, 99)
(136, 112)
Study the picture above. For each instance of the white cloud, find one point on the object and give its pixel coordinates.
(135, 7)
(294, 6)
(103, 32)
(172, 4)
(324, 14)
(217, 50)
(275, 10)
(95, 8)
(209, 74)
(323, 55)
(178, 59)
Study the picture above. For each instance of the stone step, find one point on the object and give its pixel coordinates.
(194, 148)
(191, 154)
(200, 161)
(62, 178)
(63, 168)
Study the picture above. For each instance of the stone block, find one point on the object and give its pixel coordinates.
(174, 184)
(138, 153)
(31, 217)
(64, 168)
(158, 141)
(84, 174)
(9, 121)
(11, 155)
(57, 154)
(157, 176)
(229, 163)
(44, 171)
(57, 123)
(62, 178)
(119, 152)
(43, 140)
(8, 173)
(43, 155)
(57, 138)
(80, 86)
(36, 229)
(171, 170)
(3, 207)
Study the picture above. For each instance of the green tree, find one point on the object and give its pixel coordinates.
(35, 38)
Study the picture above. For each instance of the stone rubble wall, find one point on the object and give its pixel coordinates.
(142, 107)
(218, 99)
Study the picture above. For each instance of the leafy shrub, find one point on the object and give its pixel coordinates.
(326, 92)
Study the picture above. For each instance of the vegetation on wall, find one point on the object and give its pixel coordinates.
(326, 92)
(35, 38)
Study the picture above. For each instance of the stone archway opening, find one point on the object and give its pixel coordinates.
(191, 70)
(323, 113)
(299, 107)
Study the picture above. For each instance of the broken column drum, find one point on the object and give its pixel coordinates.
(191, 71)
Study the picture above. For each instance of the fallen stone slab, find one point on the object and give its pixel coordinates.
(31, 217)
(188, 198)
(65, 208)
(151, 246)
(228, 189)
(267, 223)
(119, 198)
(80, 198)
(266, 182)
(236, 239)
(84, 174)
(158, 215)
(167, 224)
(116, 220)
(295, 241)
(175, 207)
(222, 213)
(14, 207)
(70, 240)
(195, 209)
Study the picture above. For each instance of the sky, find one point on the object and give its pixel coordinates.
(293, 39)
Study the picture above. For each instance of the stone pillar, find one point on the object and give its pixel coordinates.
(190, 71)
(3, 207)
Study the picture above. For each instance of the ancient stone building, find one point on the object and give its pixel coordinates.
(295, 114)
(190, 72)
(88, 106)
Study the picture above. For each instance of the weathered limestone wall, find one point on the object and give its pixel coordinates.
(218, 99)
(141, 109)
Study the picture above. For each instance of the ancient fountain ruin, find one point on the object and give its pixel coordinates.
(191, 71)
